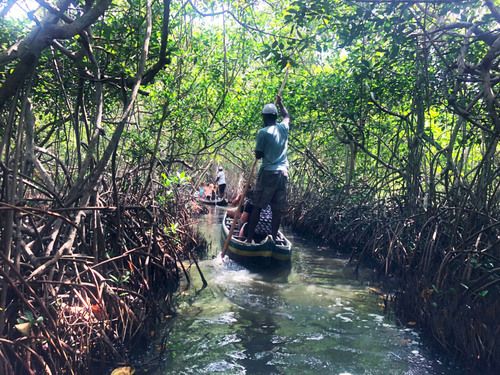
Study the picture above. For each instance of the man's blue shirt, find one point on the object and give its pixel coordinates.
(272, 141)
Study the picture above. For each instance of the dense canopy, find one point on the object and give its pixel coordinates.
(393, 149)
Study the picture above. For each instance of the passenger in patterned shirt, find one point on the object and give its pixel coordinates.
(263, 227)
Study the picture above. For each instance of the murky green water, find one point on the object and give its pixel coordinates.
(316, 318)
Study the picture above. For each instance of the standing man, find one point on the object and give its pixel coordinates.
(221, 182)
(271, 147)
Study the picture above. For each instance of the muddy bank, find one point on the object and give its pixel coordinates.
(82, 310)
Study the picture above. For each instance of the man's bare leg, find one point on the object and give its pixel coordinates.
(252, 223)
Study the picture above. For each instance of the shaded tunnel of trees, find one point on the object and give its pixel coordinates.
(111, 112)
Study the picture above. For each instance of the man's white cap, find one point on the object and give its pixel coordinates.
(270, 109)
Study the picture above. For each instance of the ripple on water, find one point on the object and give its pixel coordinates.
(226, 318)
(344, 318)
(228, 339)
(221, 366)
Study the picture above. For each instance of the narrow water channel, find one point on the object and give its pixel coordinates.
(316, 318)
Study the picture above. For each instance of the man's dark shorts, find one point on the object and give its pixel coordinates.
(270, 189)
(222, 189)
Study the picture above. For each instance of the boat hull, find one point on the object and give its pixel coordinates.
(218, 202)
(265, 254)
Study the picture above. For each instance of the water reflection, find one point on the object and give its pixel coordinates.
(316, 318)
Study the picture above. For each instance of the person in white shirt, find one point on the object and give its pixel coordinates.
(221, 182)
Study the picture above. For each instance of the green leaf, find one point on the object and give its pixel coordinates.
(29, 315)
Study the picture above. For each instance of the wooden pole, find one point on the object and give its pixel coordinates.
(284, 81)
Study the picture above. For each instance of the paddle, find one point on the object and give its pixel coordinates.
(237, 213)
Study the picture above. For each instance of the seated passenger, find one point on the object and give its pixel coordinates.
(235, 202)
(264, 224)
(207, 192)
(212, 192)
